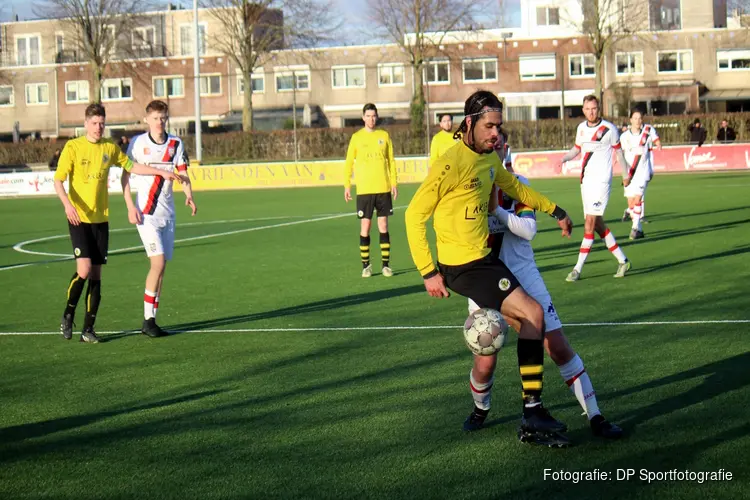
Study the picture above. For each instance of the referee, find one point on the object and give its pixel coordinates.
(85, 162)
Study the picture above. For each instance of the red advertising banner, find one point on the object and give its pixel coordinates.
(669, 159)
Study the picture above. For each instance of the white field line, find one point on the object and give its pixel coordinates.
(405, 328)
(62, 257)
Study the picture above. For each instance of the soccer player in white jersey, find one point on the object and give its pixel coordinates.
(596, 139)
(512, 227)
(154, 214)
(637, 143)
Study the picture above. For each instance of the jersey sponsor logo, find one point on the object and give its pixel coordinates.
(473, 183)
(471, 213)
(504, 284)
(105, 158)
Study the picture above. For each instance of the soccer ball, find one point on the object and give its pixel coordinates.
(485, 331)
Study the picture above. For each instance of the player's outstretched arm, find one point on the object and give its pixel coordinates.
(141, 169)
(571, 155)
(523, 227)
(513, 187)
(623, 165)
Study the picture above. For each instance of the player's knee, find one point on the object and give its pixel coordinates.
(83, 269)
(484, 367)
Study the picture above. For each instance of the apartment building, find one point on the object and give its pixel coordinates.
(677, 59)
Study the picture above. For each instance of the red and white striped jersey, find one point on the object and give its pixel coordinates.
(637, 149)
(597, 143)
(154, 196)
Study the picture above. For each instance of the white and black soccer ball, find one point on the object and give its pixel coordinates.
(485, 331)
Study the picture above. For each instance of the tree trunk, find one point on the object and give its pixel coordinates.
(247, 103)
(96, 93)
(417, 104)
(598, 91)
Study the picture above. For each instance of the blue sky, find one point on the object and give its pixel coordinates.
(353, 33)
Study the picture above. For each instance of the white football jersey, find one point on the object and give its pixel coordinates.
(597, 144)
(515, 252)
(154, 196)
(637, 149)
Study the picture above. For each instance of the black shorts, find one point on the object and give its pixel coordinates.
(486, 281)
(90, 241)
(368, 203)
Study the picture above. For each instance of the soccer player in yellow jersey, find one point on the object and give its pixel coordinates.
(443, 140)
(457, 193)
(85, 162)
(371, 150)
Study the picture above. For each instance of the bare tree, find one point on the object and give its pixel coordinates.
(91, 28)
(606, 22)
(419, 28)
(251, 29)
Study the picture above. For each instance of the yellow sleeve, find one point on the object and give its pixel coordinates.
(433, 150)
(351, 154)
(122, 160)
(392, 164)
(65, 162)
(510, 185)
(420, 209)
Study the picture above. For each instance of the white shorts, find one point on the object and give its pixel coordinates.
(534, 286)
(157, 236)
(637, 187)
(595, 197)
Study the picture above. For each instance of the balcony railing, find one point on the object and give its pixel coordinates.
(69, 56)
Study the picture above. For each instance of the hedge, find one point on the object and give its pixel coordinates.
(332, 143)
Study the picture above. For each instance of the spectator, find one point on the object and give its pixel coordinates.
(697, 132)
(624, 127)
(53, 161)
(726, 133)
(123, 143)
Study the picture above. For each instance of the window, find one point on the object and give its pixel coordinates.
(169, 86)
(547, 16)
(258, 81)
(582, 65)
(537, 67)
(675, 61)
(348, 77)
(59, 43)
(144, 37)
(480, 70)
(37, 93)
(186, 39)
(117, 89)
(28, 50)
(391, 74)
(109, 39)
(437, 72)
(210, 85)
(733, 60)
(77, 91)
(285, 79)
(6, 95)
(629, 63)
(665, 15)
(518, 113)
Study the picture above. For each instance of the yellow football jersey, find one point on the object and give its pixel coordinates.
(86, 166)
(441, 143)
(457, 192)
(375, 166)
